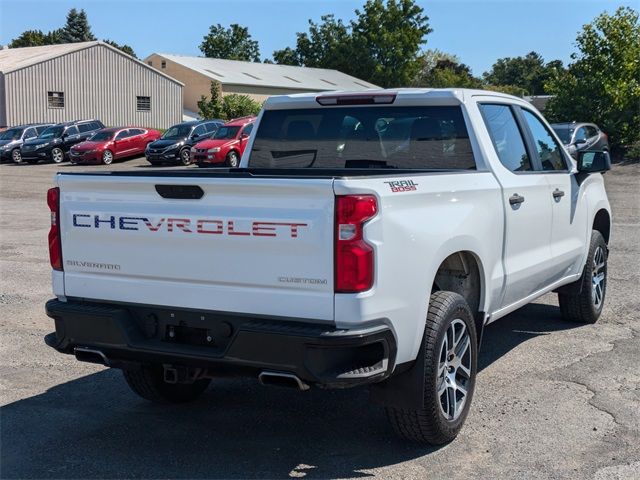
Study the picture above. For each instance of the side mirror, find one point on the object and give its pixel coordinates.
(594, 162)
(244, 136)
(580, 141)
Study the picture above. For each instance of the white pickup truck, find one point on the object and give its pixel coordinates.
(366, 239)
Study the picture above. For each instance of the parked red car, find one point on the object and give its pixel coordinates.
(225, 147)
(111, 144)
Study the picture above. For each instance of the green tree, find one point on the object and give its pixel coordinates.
(443, 70)
(29, 38)
(36, 38)
(235, 106)
(381, 45)
(389, 38)
(233, 43)
(211, 107)
(602, 85)
(124, 48)
(529, 72)
(328, 44)
(77, 28)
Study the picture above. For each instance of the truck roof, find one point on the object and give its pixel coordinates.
(446, 95)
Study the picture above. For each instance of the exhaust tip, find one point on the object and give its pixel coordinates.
(282, 379)
(90, 355)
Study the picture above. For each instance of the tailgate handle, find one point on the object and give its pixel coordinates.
(184, 192)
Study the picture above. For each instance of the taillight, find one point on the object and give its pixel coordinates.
(354, 260)
(55, 247)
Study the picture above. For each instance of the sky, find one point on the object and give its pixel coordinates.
(478, 32)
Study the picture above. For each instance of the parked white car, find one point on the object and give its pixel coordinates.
(367, 239)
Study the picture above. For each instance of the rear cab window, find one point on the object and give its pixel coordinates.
(412, 137)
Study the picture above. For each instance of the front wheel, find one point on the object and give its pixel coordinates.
(107, 157)
(16, 156)
(185, 157)
(148, 382)
(232, 159)
(450, 349)
(57, 155)
(586, 306)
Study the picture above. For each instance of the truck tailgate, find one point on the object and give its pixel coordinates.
(249, 245)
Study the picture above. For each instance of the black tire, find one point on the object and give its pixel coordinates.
(16, 155)
(430, 424)
(148, 382)
(232, 160)
(582, 307)
(185, 157)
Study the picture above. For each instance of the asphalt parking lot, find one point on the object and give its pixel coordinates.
(553, 399)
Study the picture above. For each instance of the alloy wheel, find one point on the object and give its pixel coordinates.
(107, 157)
(454, 370)
(16, 156)
(57, 155)
(598, 277)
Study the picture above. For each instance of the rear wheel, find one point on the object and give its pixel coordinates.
(107, 157)
(232, 159)
(148, 382)
(586, 306)
(57, 155)
(16, 156)
(450, 350)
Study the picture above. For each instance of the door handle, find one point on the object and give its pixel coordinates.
(516, 199)
(558, 194)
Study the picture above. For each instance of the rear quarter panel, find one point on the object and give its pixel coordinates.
(412, 234)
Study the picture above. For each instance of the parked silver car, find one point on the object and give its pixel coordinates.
(13, 137)
(581, 136)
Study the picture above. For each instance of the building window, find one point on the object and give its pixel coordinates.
(163, 64)
(150, 63)
(55, 99)
(143, 104)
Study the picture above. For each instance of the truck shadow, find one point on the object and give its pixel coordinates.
(94, 427)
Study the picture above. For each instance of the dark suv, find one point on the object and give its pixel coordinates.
(55, 142)
(175, 144)
(13, 137)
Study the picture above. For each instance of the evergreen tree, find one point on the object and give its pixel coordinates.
(77, 28)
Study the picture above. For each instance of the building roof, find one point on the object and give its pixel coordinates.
(16, 58)
(256, 74)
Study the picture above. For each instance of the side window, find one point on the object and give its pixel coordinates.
(136, 131)
(506, 137)
(72, 130)
(123, 134)
(199, 130)
(96, 126)
(85, 127)
(211, 127)
(29, 133)
(549, 151)
(247, 129)
(591, 131)
(581, 134)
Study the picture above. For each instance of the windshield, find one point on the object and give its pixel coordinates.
(363, 137)
(101, 137)
(52, 132)
(177, 131)
(224, 133)
(564, 132)
(11, 134)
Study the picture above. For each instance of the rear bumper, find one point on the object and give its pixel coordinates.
(224, 342)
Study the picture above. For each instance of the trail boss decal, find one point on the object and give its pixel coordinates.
(205, 226)
(402, 185)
